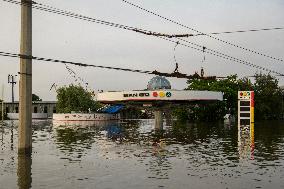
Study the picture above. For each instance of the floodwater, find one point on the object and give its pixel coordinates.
(131, 154)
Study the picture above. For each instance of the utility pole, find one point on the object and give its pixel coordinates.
(2, 111)
(12, 82)
(25, 117)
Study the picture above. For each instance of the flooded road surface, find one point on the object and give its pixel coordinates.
(131, 154)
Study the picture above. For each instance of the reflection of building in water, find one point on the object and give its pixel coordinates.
(246, 141)
(114, 132)
(81, 124)
(75, 138)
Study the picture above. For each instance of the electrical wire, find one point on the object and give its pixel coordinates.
(176, 69)
(242, 31)
(199, 32)
(162, 34)
(175, 74)
(228, 58)
(50, 9)
(7, 54)
(47, 8)
(13, 55)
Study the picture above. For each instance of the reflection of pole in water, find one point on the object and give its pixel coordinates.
(12, 136)
(24, 171)
(2, 137)
(168, 116)
(159, 162)
(158, 119)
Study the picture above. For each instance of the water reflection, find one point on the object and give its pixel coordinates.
(2, 133)
(76, 155)
(114, 132)
(246, 141)
(75, 139)
(24, 171)
(159, 164)
(12, 136)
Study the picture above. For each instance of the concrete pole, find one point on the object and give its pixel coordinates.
(13, 97)
(12, 82)
(13, 100)
(158, 119)
(2, 108)
(2, 111)
(25, 125)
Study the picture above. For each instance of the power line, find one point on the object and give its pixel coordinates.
(242, 31)
(213, 33)
(177, 43)
(50, 9)
(13, 55)
(218, 54)
(199, 32)
(175, 74)
(162, 34)
(227, 57)
(47, 8)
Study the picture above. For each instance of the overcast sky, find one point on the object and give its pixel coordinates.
(65, 38)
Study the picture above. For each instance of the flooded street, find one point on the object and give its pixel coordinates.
(131, 154)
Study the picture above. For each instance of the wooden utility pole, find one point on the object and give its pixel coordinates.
(25, 125)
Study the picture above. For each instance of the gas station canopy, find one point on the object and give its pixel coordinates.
(159, 96)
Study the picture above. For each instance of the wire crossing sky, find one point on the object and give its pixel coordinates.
(201, 33)
(51, 9)
(64, 38)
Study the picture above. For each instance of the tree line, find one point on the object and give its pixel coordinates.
(268, 98)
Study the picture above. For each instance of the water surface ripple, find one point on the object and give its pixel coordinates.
(131, 154)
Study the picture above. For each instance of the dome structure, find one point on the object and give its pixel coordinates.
(158, 82)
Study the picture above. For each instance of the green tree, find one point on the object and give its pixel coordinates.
(75, 98)
(268, 97)
(229, 86)
(36, 98)
(181, 113)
